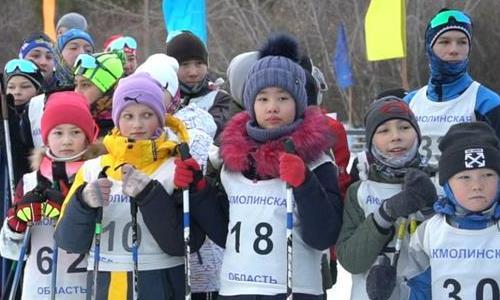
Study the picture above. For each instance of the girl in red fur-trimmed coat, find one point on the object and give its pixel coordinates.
(246, 213)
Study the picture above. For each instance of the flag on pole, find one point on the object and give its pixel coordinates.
(385, 29)
(49, 11)
(185, 15)
(341, 61)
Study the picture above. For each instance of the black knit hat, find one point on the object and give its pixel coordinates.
(384, 109)
(468, 146)
(457, 20)
(187, 46)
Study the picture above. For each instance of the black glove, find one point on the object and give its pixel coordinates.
(418, 192)
(381, 279)
(333, 271)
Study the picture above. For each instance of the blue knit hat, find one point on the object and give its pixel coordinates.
(451, 20)
(73, 34)
(277, 70)
(34, 41)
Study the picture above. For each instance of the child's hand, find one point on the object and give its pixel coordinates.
(52, 208)
(96, 193)
(418, 192)
(292, 169)
(28, 210)
(185, 172)
(134, 181)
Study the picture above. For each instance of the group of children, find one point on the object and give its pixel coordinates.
(106, 216)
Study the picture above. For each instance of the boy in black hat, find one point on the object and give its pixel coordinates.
(455, 254)
(195, 84)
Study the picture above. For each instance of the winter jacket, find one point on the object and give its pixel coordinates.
(361, 239)
(212, 99)
(71, 279)
(318, 200)
(160, 211)
(487, 102)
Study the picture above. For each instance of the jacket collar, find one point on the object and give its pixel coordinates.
(241, 153)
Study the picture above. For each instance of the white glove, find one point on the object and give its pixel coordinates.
(134, 181)
(96, 193)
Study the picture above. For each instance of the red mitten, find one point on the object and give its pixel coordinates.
(185, 173)
(22, 213)
(292, 169)
(14, 223)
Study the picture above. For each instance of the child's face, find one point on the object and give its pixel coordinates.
(44, 59)
(394, 137)
(192, 71)
(74, 48)
(130, 64)
(452, 46)
(87, 88)
(475, 189)
(274, 107)
(21, 88)
(138, 121)
(66, 140)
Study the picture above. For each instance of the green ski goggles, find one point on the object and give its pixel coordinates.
(443, 18)
(95, 70)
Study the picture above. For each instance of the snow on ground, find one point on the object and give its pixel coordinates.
(342, 289)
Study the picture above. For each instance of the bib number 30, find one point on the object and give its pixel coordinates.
(482, 288)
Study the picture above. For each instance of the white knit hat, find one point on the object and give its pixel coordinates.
(164, 69)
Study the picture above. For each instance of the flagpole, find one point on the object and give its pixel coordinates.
(404, 74)
(349, 103)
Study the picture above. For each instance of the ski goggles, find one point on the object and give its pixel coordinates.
(86, 61)
(443, 18)
(23, 65)
(122, 43)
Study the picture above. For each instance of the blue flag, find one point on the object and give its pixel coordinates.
(185, 15)
(341, 61)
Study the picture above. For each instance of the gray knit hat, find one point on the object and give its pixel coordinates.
(237, 73)
(72, 20)
(276, 71)
(385, 109)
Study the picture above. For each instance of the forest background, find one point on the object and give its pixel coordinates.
(236, 26)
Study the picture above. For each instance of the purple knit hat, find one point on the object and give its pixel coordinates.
(138, 88)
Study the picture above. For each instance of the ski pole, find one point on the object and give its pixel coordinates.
(289, 148)
(184, 152)
(8, 146)
(399, 241)
(19, 267)
(53, 276)
(135, 246)
(8, 280)
(97, 238)
(6, 201)
(57, 169)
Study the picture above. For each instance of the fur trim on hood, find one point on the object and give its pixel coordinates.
(239, 151)
(38, 154)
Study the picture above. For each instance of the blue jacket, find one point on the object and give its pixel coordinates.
(487, 106)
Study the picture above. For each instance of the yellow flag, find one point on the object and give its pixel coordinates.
(49, 10)
(385, 29)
